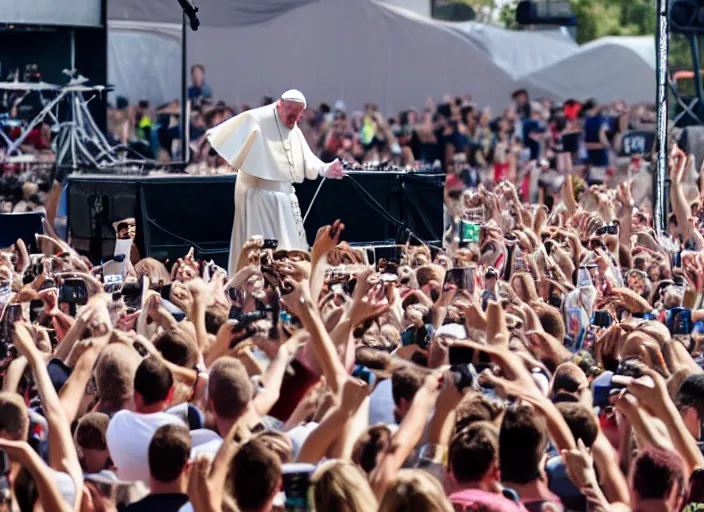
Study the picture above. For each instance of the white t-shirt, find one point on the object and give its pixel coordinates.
(65, 484)
(299, 434)
(128, 437)
(205, 442)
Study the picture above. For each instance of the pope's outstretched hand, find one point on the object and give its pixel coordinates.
(336, 171)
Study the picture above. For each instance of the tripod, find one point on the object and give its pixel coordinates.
(79, 141)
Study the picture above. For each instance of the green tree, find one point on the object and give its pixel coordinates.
(600, 18)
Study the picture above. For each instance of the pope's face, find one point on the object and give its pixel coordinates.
(290, 113)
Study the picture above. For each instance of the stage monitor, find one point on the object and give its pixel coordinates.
(74, 13)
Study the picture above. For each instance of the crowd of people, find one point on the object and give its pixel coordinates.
(552, 363)
(438, 134)
(549, 357)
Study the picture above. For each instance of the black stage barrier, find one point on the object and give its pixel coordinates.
(174, 213)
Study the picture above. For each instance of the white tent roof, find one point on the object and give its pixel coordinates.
(358, 51)
(211, 13)
(519, 52)
(362, 51)
(607, 69)
(421, 7)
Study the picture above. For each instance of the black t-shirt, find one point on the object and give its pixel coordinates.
(159, 503)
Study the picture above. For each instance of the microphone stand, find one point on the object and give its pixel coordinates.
(189, 15)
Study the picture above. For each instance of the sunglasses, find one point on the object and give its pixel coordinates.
(608, 229)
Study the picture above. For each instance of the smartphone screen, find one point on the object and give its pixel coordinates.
(11, 314)
(461, 355)
(73, 291)
(296, 480)
(463, 278)
(469, 232)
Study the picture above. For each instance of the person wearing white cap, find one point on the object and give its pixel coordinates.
(268, 149)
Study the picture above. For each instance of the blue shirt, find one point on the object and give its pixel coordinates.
(200, 92)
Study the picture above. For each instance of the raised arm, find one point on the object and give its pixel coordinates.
(72, 393)
(407, 436)
(62, 452)
(49, 496)
(321, 440)
(299, 303)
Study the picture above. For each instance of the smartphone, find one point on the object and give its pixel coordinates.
(113, 283)
(408, 337)
(271, 244)
(4, 464)
(296, 480)
(602, 319)
(461, 355)
(463, 376)
(463, 278)
(5, 293)
(11, 314)
(132, 295)
(469, 232)
(365, 374)
(679, 321)
(166, 292)
(73, 293)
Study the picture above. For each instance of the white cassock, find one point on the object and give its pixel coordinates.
(269, 159)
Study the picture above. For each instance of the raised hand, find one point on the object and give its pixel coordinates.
(50, 297)
(327, 239)
(580, 466)
(354, 392)
(369, 306)
(24, 341)
(651, 392)
(297, 299)
(198, 288)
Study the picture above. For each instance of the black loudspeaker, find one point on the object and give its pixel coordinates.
(687, 17)
(357, 201)
(93, 206)
(423, 205)
(692, 141)
(196, 213)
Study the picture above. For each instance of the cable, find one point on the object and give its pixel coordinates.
(189, 242)
(313, 200)
(385, 213)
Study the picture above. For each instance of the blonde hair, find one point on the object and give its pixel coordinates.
(414, 490)
(340, 485)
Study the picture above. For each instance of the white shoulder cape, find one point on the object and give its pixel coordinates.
(251, 142)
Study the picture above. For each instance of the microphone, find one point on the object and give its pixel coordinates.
(190, 11)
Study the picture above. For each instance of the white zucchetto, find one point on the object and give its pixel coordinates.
(294, 95)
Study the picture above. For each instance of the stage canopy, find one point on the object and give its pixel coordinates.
(357, 51)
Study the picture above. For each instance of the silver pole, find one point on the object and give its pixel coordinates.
(184, 90)
(73, 48)
(663, 45)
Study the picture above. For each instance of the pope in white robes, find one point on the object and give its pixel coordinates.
(268, 149)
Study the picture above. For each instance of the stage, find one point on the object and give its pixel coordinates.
(176, 212)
